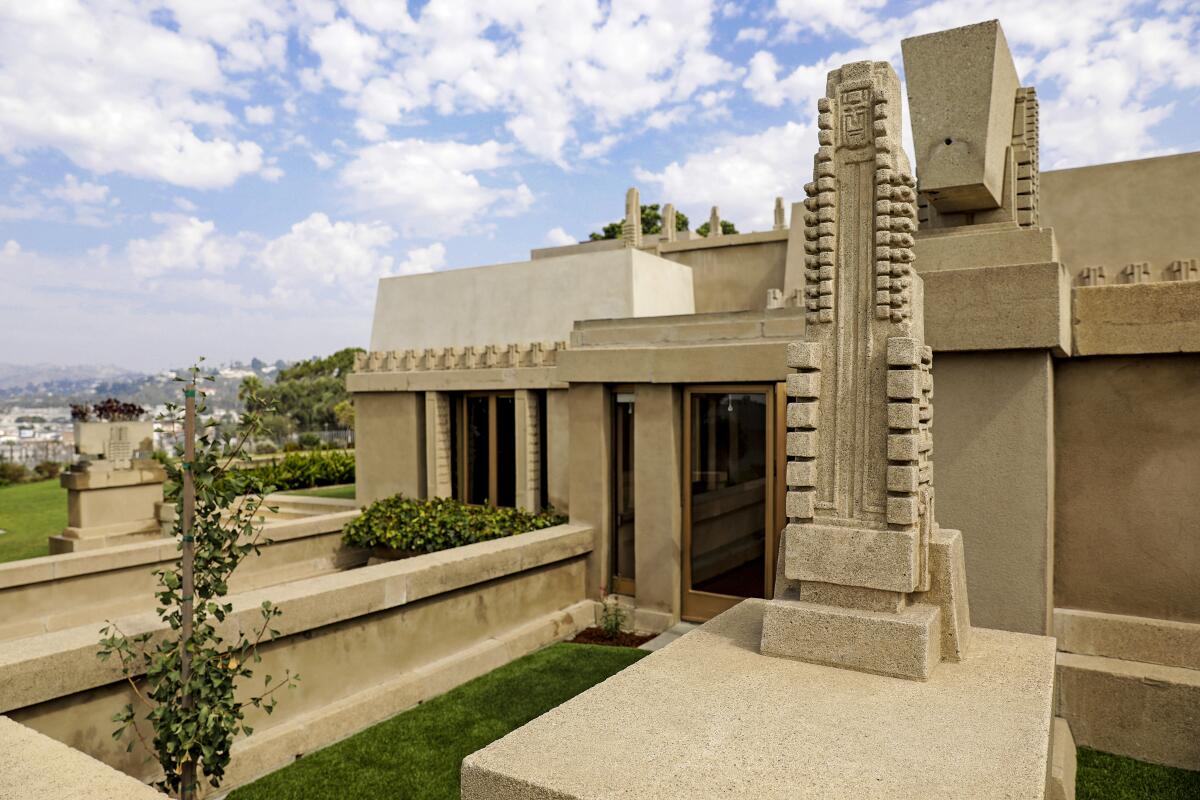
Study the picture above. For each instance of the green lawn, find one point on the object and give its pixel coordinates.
(30, 512)
(1103, 776)
(343, 492)
(416, 755)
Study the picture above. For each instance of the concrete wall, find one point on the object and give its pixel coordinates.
(62, 591)
(529, 301)
(734, 277)
(1132, 211)
(389, 452)
(368, 642)
(993, 457)
(658, 499)
(591, 474)
(1128, 492)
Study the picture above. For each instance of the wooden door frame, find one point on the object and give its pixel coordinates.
(699, 606)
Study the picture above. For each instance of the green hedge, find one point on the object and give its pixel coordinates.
(306, 470)
(426, 526)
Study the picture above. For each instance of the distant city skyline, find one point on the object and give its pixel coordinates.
(231, 179)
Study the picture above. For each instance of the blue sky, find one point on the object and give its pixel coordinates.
(231, 178)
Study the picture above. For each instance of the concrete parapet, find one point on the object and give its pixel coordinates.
(36, 767)
(505, 598)
(1137, 318)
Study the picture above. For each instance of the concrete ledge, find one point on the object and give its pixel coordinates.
(1153, 641)
(1144, 711)
(1137, 318)
(37, 669)
(36, 767)
(709, 716)
(733, 361)
(454, 379)
(972, 246)
(1020, 306)
(724, 240)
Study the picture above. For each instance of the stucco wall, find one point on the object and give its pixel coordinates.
(734, 278)
(1132, 211)
(527, 301)
(1128, 494)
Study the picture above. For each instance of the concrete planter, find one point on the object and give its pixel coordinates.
(92, 438)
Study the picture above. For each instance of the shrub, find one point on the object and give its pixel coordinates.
(12, 473)
(48, 469)
(305, 470)
(309, 441)
(265, 448)
(426, 526)
(292, 447)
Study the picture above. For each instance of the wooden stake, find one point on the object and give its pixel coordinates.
(187, 789)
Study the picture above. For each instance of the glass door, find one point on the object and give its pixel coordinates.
(730, 496)
(622, 556)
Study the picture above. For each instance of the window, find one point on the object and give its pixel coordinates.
(623, 568)
(485, 470)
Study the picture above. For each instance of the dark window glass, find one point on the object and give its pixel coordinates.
(623, 527)
(729, 484)
(477, 450)
(506, 452)
(544, 441)
(455, 489)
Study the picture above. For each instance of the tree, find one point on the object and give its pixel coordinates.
(651, 223)
(344, 411)
(303, 396)
(191, 672)
(727, 228)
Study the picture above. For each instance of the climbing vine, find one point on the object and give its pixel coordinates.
(185, 685)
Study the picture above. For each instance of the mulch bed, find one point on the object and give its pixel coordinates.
(596, 635)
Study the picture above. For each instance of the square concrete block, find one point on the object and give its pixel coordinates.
(962, 127)
(906, 644)
(876, 559)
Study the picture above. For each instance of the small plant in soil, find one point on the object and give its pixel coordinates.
(612, 617)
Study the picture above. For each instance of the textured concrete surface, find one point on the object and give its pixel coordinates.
(36, 767)
(669, 635)
(1153, 641)
(1062, 762)
(1137, 318)
(710, 716)
(1144, 711)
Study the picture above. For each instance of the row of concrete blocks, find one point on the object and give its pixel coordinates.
(537, 354)
(1140, 272)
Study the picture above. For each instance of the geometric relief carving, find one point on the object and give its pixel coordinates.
(508, 356)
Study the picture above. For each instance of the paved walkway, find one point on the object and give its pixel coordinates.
(669, 635)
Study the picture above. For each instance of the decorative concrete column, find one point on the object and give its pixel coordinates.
(438, 445)
(631, 228)
(669, 234)
(556, 448)
(868, 580)
(780, 215)
(528, 450)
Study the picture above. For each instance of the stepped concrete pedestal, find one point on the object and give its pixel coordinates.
(710, 716)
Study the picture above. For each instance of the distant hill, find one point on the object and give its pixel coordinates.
(30, 377)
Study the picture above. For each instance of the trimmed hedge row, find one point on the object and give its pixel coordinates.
(306, 470)
(415, 526)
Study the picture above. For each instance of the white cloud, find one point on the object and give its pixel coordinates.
(78, 193)
(183, 204)
(259, 115)
(431, 188)
(741, 174)
(318, 254)
(557, 237)
(11, 248)
(599, 147)
(185, 244)
(348, 56)
(423, 259)
(116, 93)
(546, 65)
(322, 159)
(822, 16)
(751, 35)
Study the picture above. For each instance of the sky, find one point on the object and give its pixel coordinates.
(231, 178)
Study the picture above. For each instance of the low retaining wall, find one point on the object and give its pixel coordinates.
(368, 643)
(1131, 685)
(39, 595)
